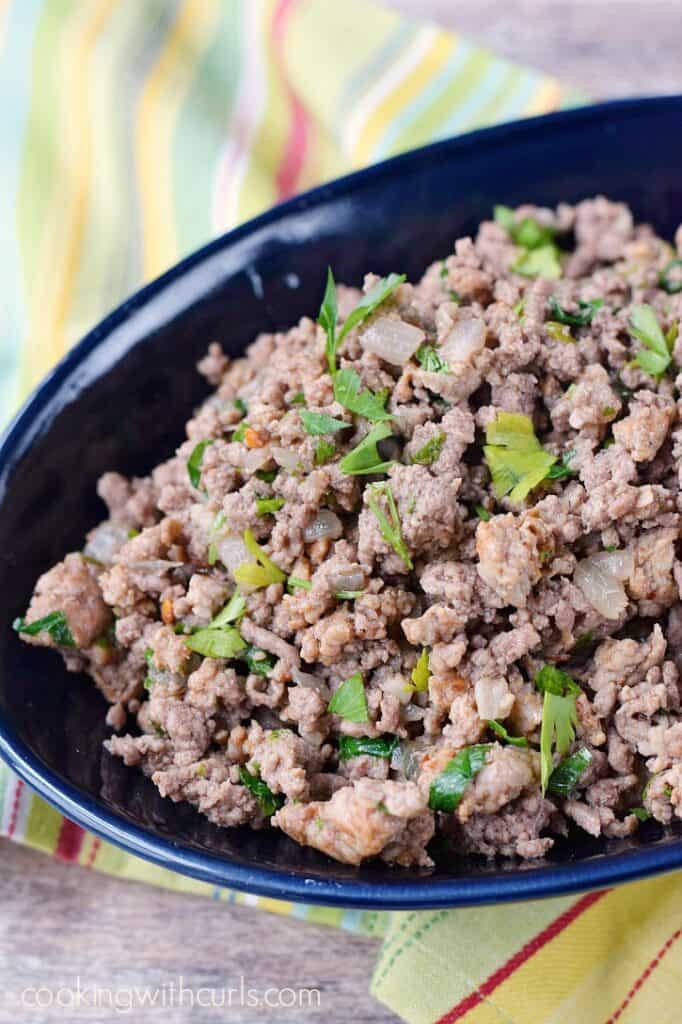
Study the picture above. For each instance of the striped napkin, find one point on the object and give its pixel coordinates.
(135, 132)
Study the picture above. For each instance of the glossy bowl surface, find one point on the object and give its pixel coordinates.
(119, 401)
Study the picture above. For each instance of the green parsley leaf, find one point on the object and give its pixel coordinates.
(132, 532)
(269, 802)
(540, 262)
(421, 673)
(504, 216)
(295, 583)
(559, 717)
(377, 746)
(562, 468)
(298, 399)
(232, 612)
(320, 423)
(265, 506)
(640, 813)
(580, 319)
(266, 475)
(443, 269)
(259, 662)
(583, 641)
(348, 391)
(389, 525)
(566, 775)
(671, 282)
(430, 452)
(515, 458)
(654, 358)
(559, 332)
(348, 595)
(328, 318)
(240, 406)
(377, 294)
(430, 359)
(261, 574)
(349, 701)
(447, 789)
(225, 642)
(364, 458)
(240, 432)
(500, 730)
(55, 624)
(194, 462)
(482, 513)
(324, 451)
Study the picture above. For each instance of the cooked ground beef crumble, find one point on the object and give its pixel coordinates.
(415, 568)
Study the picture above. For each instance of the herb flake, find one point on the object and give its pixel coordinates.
(447, 789)
(55, 624)
(350, 701)
(389, 525)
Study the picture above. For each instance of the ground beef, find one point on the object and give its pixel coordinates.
(399, 596)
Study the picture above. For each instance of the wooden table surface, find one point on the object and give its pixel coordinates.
(60, 922)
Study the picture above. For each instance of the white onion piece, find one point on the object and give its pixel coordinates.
(232, 551)
(310, 682)
(354, 580)
(413, 713)
(105, 541)
(392, 339)
(325, 524)
(493, 698)
(287, 459)
(398, 687)
(465, 339)
(602, 588)
(255, 458)
(620, 564)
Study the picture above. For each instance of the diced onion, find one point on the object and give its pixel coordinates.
(465, 339)
(325, 524)
(105, 541)
(398, 686)
(493, 698)
(310, 682)
(232, 551)
(287, 459)
(413, 713)
(600, 578)
(354, 580)
(154, 565)
(392, 339)
(255, 458)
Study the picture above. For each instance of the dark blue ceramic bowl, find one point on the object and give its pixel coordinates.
(119, 401)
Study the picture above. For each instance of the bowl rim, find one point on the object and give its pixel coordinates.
(602, 871)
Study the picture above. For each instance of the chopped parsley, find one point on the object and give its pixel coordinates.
(640, 813)
(324, 451)
(500, 730)
(350, 701)
(377, 746)
(269, 802)
(266, 475)
(240, 406)
(540, 254)
(364, 458)
(389, 525)
(482, 513)
(295, 583)
(348, 392)
(563, 467)
(516, 459)
(559, 717)
(320, 423)
(559, 332)
(55, 624)
(329, 311)
(447, 789)
(232, 612)
(194, 462)
(266, 506)
(239, 433)
(566, 775)
(654, 358)
(222, 642)
(421, 673)
(430, 452)
(298, 399)
(671, 283)
(261, 573)
(430, 359)
(582, 318)
(260, 662)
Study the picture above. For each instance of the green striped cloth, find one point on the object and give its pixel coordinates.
(135, 131)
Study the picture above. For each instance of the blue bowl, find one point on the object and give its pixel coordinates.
(119, 401)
